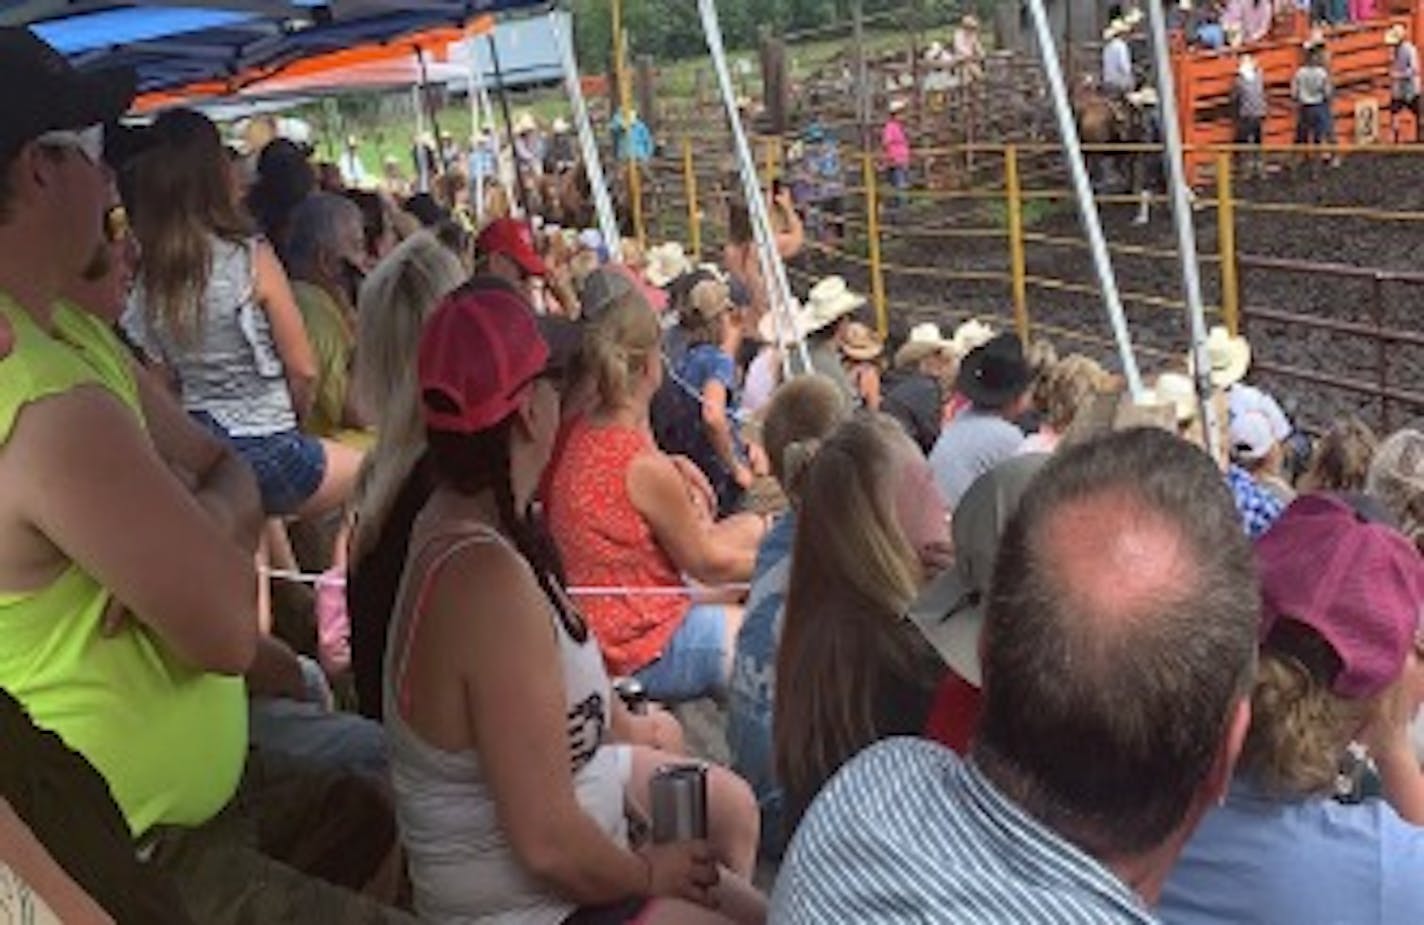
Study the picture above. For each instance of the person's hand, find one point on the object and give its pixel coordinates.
(743, 476)
(683, 870)
(783, 199)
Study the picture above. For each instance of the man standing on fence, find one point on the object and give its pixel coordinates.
(1250, 107)
(1403, 80)
(1118, 77)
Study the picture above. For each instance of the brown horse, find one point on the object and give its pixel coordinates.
(1105, 121)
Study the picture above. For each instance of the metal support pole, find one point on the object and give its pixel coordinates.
(694, 212)
(509, 130)
(872, 230)
(588, 144)
(1182, 218)
(430, 108)
(625, 103)
(422, 173)
(1017, 272)
(1087, 205)
(1226, 240)
(773, 270)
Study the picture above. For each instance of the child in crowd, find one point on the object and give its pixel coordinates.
(1341, 458)
(863, 349)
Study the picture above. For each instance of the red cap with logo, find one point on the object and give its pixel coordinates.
(478, 351)
(513, 239)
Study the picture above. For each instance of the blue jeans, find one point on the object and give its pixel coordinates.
(694, 663)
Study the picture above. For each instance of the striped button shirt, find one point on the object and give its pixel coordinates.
(908, 832)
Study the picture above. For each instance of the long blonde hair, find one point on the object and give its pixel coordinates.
(853, 576)
(619, 347)
(394, 303)
(182, 199)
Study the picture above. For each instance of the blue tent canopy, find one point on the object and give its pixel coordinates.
(171, 43)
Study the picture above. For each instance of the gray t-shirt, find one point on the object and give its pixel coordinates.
(972, 444)
(230, 369)
(1312, 85)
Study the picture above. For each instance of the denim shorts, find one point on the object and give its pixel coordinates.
(694, 662)
(289, 465)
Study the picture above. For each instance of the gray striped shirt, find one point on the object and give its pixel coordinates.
(909, 832)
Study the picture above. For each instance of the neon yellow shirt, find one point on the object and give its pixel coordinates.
(169, 739)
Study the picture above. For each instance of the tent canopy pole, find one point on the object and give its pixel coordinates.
(593, 164)
(773, 270)
(503, 92)
(1087, 203)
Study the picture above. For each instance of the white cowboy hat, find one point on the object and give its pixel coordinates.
(1114, 29)
(561, 125)
(924, 340)
(1143, 98)
(1395, 35)
(525, 123)
(1229, 356)
(1132, 18)
(897, 105)
(830, 300)
(972, 333)
(666, 262)
(861, 343)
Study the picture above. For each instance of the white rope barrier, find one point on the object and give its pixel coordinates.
(339, 581)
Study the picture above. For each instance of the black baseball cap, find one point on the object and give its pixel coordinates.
(44, 92)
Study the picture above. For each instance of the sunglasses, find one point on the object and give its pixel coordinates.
(88, 142)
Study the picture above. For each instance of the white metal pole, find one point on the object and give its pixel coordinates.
(1087, 204)
(1182, 218)
(422, 175)
(593, 164)
(772, 269)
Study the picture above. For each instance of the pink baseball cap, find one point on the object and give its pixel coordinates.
(1356, 583)
(478, 350)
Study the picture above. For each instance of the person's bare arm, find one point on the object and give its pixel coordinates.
(220, 481)
(522, 743)
(289, 332)
(790, 241)
(719, 431)
(659, 495)
(114, 509)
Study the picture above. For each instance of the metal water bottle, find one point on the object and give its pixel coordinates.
(679, 795)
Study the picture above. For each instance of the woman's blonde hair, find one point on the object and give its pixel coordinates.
(395, 300)
(801, 414)
(1067, 386)
(620, 345)
(844, 638)
(1299, 729)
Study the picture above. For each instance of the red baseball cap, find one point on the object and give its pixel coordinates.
(513, 239)
(1358, 584)
(478, 350)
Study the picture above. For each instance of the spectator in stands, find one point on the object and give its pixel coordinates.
(1313, 90)
(851, 670)
(1117, 676)
(1250, 106)
(895, 151)
(829, 310)
(514, 808)
(1249, 19)
(950, 609)
(395, 479)
(132, 661)
(626, 519)
(803, 413)
(505, 248)
(995, 379)
(284, 178)
(1404, 81)
(1066, 387)
(1341, 458)
(827, 182)
(740, 258)
(213, 306)
(377, 224)
(327, 261)
(562, 153)
(1363, 10)
(1340, 660)
(1119, 78)
(862, 348)
(918, 386)
(1255, 449)
(967, 46)
(704, 419)
(1396, 480)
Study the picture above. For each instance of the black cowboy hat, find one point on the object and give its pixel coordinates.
(994, 375)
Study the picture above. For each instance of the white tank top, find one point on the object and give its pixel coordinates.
(462, 867)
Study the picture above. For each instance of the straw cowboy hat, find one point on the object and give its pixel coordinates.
(1176, 390)
(561, 125)
(830, 300)
(1115, 29)
(924, 340)
(972, 333)
(1395, 35)
(525, 123)
(1229, 356)
(666, 262)
(860, 343)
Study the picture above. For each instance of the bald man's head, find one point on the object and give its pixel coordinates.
(1121, 633)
